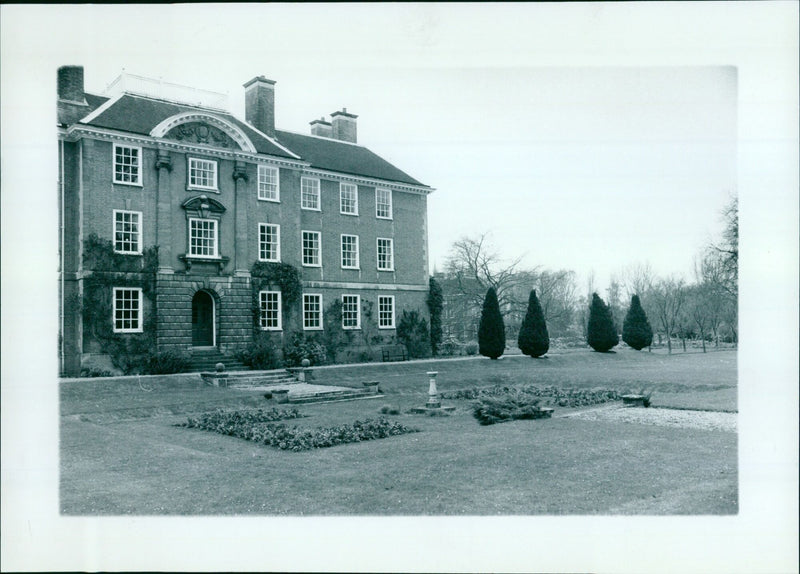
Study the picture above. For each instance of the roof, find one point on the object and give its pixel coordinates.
(140, 114)
(333, 155)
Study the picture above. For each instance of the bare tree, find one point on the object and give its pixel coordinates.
(476, 267)
(668, 297)
(638, 279)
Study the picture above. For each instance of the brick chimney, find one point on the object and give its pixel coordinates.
(259, 104)
(321, 128)
(344, 126)
(72, 104)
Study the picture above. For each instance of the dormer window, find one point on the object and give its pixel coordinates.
(202, 174)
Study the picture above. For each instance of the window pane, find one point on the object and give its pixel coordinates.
(386, 312)
(348, 198)
(126, 231)
(350, 312)
(126, 164)
(350, 251)
(267, 183)
(311, 242)
(127, 310)
(312, 311)
(383, 203)
(202, 173)
(268, 242)
(203, 237)
(309, 193)
(270, 310)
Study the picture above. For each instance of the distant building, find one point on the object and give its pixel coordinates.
(166, 204)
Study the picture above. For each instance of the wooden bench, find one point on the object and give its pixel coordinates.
(394, 353)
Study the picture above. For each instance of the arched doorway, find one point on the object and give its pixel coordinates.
(203, 320)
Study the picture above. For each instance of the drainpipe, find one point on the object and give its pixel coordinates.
(61, 283)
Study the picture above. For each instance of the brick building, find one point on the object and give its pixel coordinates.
(171, 211)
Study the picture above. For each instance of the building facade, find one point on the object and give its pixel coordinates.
(180, 224)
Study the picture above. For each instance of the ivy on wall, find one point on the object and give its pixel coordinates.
(107, 269)
(284, 277)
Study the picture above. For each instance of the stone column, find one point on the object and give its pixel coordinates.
(240, 264)
(164, 213)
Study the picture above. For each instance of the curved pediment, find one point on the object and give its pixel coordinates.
(203, 203)
(203, 128)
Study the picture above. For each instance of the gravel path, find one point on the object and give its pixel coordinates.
(663, 417)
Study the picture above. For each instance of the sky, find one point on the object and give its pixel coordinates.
(591, 166)
(585, 136)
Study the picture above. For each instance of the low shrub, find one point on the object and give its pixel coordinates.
(261, 355)
(96, 372)
(489, 411)
(301, 347)
(552, 395)
(471, 348)
(259, 426)
(450, 347)
(165, 363)
(389, 410)
(230, 422)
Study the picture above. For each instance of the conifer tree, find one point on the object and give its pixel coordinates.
(601, 331)
(636, 330)
(533, 337)
(435, 305)
(491, 331)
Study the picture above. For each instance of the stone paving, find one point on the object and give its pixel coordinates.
(706, 420)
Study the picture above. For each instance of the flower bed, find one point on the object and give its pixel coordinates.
(489, 411)
(551, 395)
(259, 426)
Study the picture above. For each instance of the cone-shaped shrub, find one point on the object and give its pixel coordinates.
(533, 337)
(636, 330)
(491, 331)
(601, 331)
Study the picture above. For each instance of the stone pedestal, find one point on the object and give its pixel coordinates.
(433, 394)
(371, 387)
(281, 395)
(434, 405)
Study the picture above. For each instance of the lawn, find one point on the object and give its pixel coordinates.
(121, 454)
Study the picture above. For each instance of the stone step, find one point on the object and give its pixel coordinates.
(332, 396)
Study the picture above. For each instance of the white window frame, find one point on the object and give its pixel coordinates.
(277, 227)
(138, 250)
(262, 173)
(378, 253)
(216, 239)
(262, 317)
(358, 312)
(139, 311)
(304, 180)
(342, 187)
(317, 296)
(392, 325)
(378, 190)
(341, 250)
(138, 181)
(303, 249)
(190, 167)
